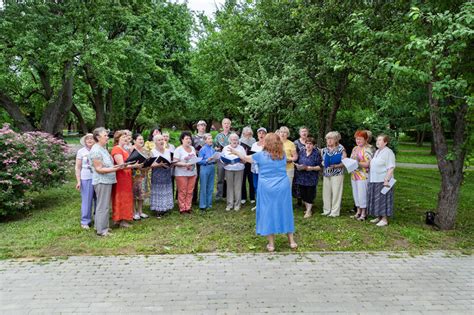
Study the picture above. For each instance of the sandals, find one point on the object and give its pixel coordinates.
(270, 248)
(293, 246)
(361, 218)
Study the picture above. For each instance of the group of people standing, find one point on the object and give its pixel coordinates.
(271, 166)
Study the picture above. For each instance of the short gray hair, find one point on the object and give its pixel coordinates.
(155, 137)
(206, 136)
(97, 131)
(247, 129)
(285, 129)
(233, 135)
(334, 135)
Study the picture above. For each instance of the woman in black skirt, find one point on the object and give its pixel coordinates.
(382, 166)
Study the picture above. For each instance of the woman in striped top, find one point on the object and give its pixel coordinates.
(359, 178)
(333, 173)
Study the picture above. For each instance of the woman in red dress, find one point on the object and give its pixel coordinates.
(122, 193)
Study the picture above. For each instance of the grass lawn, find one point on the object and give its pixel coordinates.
(52, 228)
(411, 153)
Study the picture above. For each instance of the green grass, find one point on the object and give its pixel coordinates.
(52, 228)
(411, 153)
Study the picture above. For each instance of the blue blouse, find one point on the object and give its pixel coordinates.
(206, 152)
(332, 158)
(308, 178)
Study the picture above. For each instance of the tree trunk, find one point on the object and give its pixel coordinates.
(451, 170)
(131, 113)
(57, 110)
(80, 119)
(338, 96)
(420, 137)
(15, 113)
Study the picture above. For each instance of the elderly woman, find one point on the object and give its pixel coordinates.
(246, 141)
(168, 145)
(185, 172)
(222, 140)
(359, 178)
(122, 192)
(84, 179)
(309, 164)
(234, 173)
(149, 144)
(300, 144)
(128, 140)
(274, 204)
(103, 178)
(257, 147)
(382, 166)
(207, 172)
(139, 180)
(290, 151)
(333, 173)
(161, 198)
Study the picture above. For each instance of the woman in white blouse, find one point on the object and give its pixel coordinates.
(234, 173)
(381, 170)
(185, 172)
(84, 179)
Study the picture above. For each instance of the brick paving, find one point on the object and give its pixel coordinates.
(349, 283)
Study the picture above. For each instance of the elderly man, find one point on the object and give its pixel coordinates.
(198, 143)
(222, 140)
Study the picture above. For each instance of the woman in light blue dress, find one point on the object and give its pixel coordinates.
(274, 203)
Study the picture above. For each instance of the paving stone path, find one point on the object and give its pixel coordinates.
(351, 283)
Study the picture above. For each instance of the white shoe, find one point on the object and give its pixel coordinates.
(125, 224)
(332, 215)
(228, 208)
(382, 223)
(376, 220)
(243, 201)
(323, 213)
(254, 208)
(85, 226)
(143, 215)
(136, 217)
(252, 201)
(236, 208)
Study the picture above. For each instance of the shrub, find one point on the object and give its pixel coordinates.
(29, 161)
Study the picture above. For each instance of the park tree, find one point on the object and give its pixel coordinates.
(114, 58)
(39, 47)
(432, 47)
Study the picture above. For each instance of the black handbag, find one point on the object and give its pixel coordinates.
(430, 218)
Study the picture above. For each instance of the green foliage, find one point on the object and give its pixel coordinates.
(130, 60)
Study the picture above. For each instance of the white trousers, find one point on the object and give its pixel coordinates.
(332, 194)
(359, 192)
(291, 175)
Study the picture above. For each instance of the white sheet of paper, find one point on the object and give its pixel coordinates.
(195, 160)
(350, 164)
(216, 156)
(390, 184)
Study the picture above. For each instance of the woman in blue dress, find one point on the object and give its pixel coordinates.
(274, 202)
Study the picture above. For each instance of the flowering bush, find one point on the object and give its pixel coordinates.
(28, 162)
